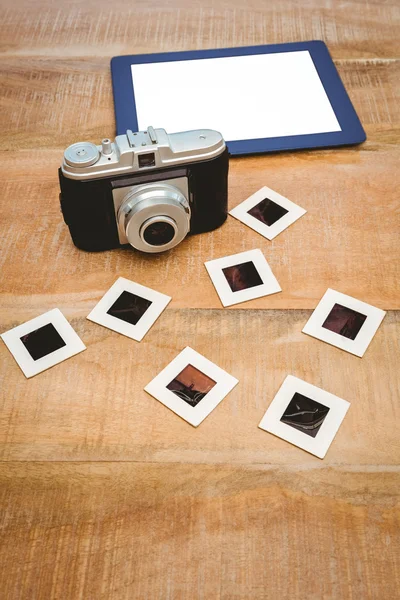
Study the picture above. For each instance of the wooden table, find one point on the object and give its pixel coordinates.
(105, 493)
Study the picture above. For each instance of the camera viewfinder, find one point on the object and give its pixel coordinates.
(147, 160)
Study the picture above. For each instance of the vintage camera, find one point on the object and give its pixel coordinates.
(147, 189)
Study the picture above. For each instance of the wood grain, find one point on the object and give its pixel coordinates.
(135, 531)
(354, 29)
(104, 493)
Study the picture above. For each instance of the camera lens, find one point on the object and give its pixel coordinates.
(158, 233)
(154, 217)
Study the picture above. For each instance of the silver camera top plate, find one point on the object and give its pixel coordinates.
(140, 152)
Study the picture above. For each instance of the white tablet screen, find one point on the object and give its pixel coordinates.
(243, 97)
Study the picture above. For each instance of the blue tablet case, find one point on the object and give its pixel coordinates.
(351, 129)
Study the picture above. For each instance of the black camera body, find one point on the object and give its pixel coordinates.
(147, 189)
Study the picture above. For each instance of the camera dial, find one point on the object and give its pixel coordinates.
(154, 217)
(82, 154)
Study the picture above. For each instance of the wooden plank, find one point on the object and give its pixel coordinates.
(348, 240)
(49, 102)
(354, 29)
(135, 531)
(93, 407)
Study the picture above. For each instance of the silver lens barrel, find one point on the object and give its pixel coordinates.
(154, 217)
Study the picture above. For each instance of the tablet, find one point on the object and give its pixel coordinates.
(261, 98)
